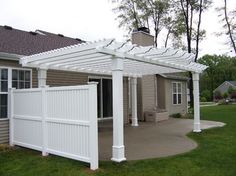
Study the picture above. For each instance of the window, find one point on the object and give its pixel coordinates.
(3, 92)
(21, 79)
(177, 93)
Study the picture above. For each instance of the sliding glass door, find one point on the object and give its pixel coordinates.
(104, 97)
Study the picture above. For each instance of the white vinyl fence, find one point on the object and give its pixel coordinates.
(58, 120)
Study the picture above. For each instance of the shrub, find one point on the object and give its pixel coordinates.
(225, 95)
(190, 110)
(177, 115)
(233, 95)
(206, 94)
(231, 90)
(217, 95)
(203, 99)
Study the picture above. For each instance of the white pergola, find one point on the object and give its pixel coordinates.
(108, 57)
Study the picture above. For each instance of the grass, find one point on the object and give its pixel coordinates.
(215, 156)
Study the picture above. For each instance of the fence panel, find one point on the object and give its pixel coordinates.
(58, 120)
(27, 121)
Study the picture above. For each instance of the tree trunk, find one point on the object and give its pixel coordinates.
(191, 89)
(167, 38)
(229, 27)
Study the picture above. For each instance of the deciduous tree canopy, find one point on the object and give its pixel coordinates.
(220, 69)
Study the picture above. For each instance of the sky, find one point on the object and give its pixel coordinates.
(92, 20)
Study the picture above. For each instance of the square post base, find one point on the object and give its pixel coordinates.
(118, 153)
(197, 128)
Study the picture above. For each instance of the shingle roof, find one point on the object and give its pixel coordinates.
(233, 83)
(27, 43)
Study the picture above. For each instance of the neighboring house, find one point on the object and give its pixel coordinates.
(224, 87)
(154, 91)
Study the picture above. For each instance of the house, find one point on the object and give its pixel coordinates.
(224, 87)
(127, 81)
(15, 44)
(165, 92)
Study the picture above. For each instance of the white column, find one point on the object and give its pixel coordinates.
(118, 148)
(197, 127)
(134, 102)
(42, 77)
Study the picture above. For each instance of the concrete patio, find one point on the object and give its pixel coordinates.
(152, 140)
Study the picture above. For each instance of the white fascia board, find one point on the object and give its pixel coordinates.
(10, 56)
(64, 51)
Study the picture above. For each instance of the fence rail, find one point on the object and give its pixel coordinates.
(58, 120)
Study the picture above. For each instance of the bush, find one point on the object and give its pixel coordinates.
(217, 95)
(233, 95)
(177, 115)
(203, 99)
(190, 110)
(225, 95)
(206, 94)
(231, 90)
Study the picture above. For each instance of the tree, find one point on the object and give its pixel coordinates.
(229, 23)
(220, 69)
(212, 63)
(181, 19)
(191, 12)
(207, 95)
(133, 14)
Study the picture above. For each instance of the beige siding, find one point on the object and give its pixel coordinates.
(139, 99)
(148, 94)
(65, 78)
(172, 109)
(161, 97)
(126, 100)
(9, 63)
(4, 131)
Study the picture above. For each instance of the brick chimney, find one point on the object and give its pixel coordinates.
(142, 37)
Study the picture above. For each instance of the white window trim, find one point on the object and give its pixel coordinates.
(177, 93)
(10, 80)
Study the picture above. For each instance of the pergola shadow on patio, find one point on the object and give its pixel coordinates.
(152, 140)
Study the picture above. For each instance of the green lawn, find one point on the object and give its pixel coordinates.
(215, 156)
